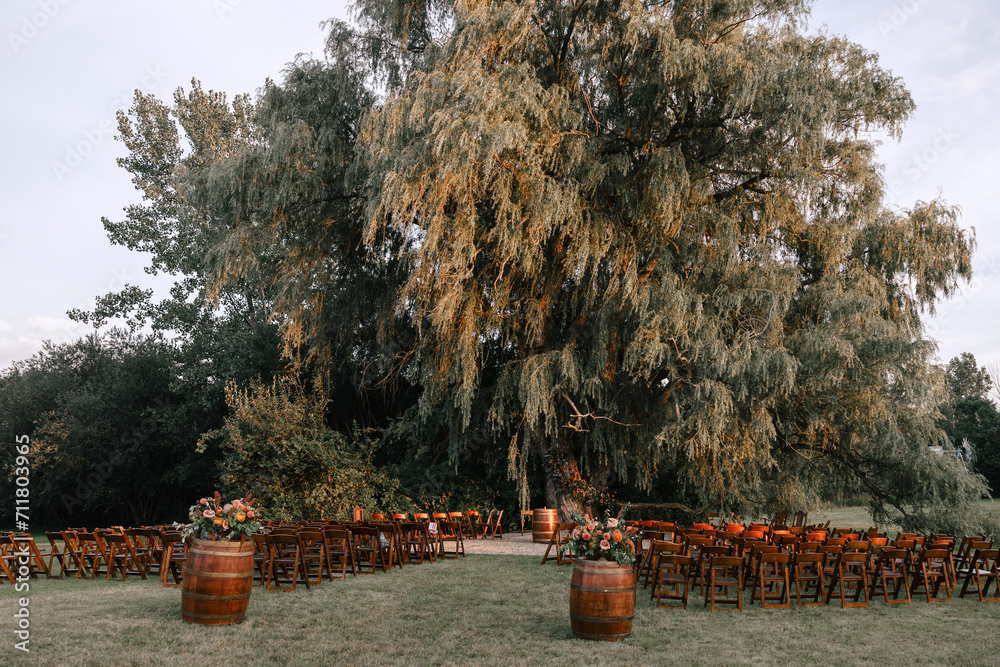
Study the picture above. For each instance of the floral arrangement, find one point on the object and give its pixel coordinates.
(608, 539)
(213, 519)
(572, 483)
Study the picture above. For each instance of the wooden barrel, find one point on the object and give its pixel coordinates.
(543, 523)
(601, 600)
(218, 580)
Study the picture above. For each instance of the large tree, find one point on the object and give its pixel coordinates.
(635, 238)
(662, 225)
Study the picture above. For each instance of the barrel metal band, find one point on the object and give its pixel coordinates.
(224, 554)
(210, 617)
(599, 619)
(601, 589)
(202, 596)
(219, 575)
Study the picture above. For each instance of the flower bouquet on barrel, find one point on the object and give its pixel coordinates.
(211, 519)
(602, 589)
(608, 539)
(218, 573)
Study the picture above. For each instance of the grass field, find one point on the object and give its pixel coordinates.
(490, 610)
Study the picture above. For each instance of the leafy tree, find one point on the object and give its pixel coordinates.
(966, 379)
(278, 449)
(661, 225)
(111, 439)
(646, 238)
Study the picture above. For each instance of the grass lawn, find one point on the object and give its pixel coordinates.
(494, 610)
(858, 517)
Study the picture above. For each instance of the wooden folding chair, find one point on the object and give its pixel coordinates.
(338, 549)
(931, 569)
(643, 561)
(982, 569)
(808, 571)
(56, 553)
(558, 540)
(891, 567)
(451, 531)
(25, 543)
(121, 557)
(312, 553)
(671, 574)
(526, 514)
(493, 526)
(474, 524)
(367, 550)
(173, 558)
(284, 554)
(73, 563)
(751, 562)
(93, 553)
(772, 570)
(260, 553)
(851, 568)
(8, 560)
(389, 539)
(725, 572)
(417, 543)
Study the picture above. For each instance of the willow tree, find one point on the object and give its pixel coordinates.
(661, 226)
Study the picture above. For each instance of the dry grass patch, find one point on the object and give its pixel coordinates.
(493, 610)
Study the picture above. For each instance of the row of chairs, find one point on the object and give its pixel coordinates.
(286, 555)
(291, 554)
(473, 525)
(825, 569)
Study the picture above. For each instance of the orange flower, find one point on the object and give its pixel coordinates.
(617, 536)
(218, 520)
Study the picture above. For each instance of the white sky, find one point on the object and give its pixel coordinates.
(67, 65)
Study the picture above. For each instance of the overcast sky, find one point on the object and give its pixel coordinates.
(66, 66)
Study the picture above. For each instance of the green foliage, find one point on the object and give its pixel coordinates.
(966, 379)
(110, 437)
(277, 448)
(647, 238)
(660, 227)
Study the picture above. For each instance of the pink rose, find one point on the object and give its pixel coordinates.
(605, 544)
(225, 524)
(576, 534)
(203, 501)
(585, 536)
(208, 514)
(612, 523)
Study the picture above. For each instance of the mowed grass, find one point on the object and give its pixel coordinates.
(858, 517)
(489, 610)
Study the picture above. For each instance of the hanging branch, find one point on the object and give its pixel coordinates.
(578, 417)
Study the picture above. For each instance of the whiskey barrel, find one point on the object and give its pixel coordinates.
(218, 580)
(543, 523)
(601, 600)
